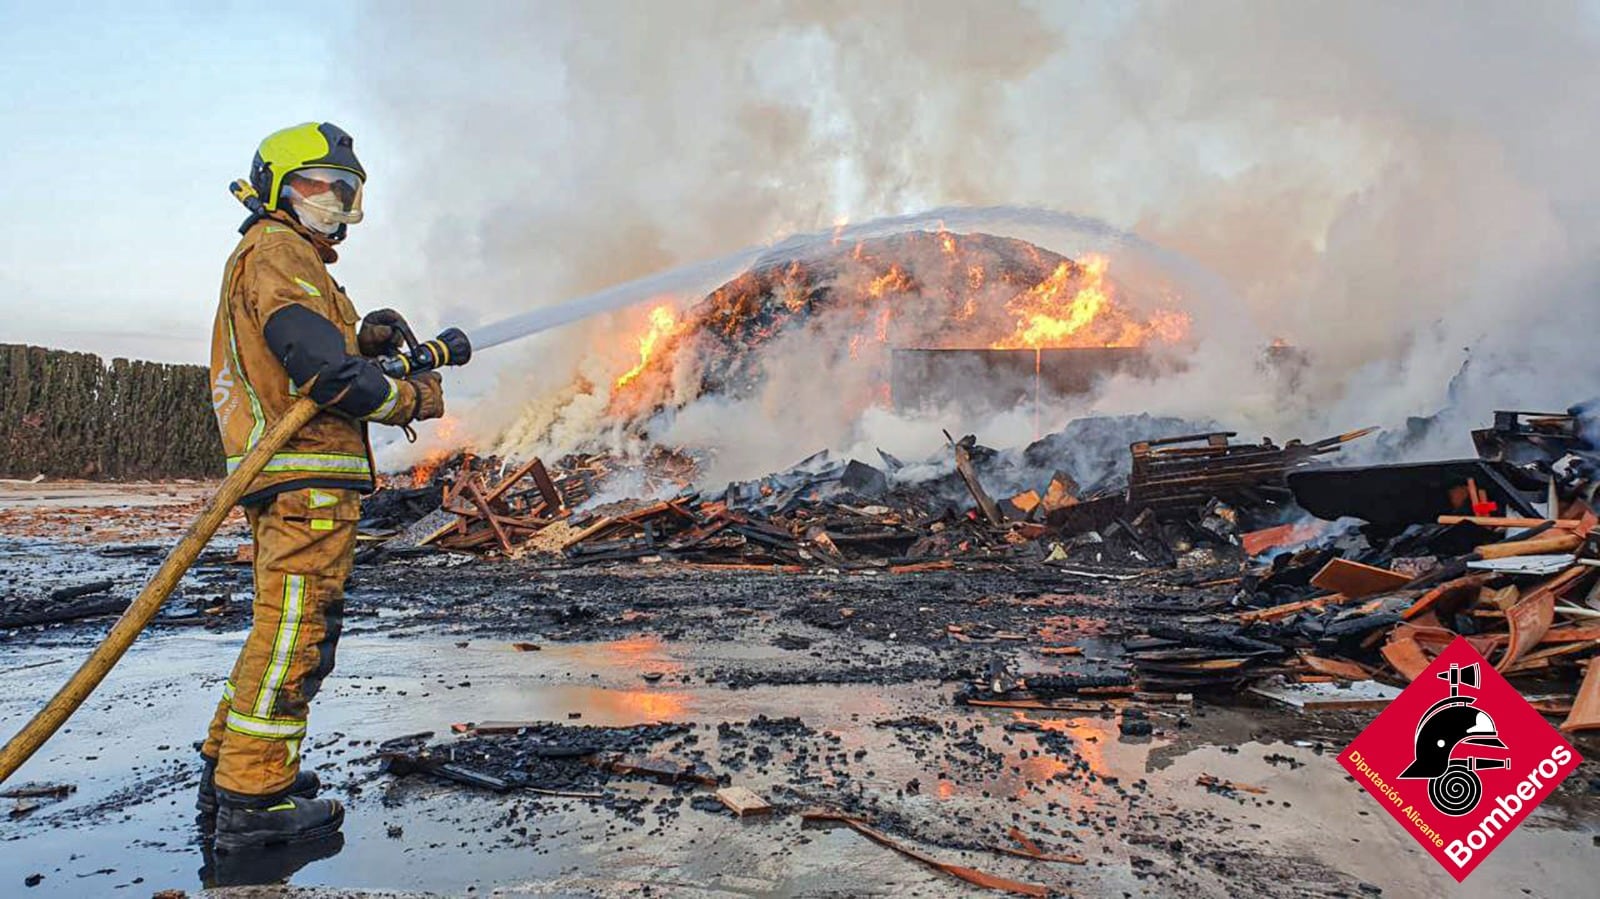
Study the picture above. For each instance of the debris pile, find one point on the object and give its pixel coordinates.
(1336, 575)
(1188, 499)
(1183, 493)
(792, 528)
(473, 515)
(1502, 551)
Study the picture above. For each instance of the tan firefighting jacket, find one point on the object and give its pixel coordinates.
(274, 266)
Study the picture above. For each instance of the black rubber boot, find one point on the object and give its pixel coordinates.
(242, 825)
(306, 784)
(262, 866)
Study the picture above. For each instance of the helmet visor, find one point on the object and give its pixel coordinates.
(331, 196)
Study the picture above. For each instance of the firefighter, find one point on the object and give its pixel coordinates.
(285, 326)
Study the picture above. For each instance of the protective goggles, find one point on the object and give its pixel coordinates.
(333, 193)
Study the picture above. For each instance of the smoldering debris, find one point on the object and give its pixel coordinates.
(973, 504)
(1453, 548)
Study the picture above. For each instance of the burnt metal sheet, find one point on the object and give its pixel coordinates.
(1392, 497)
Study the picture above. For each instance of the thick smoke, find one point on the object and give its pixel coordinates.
(1405, 192)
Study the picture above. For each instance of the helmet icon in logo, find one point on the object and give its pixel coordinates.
(1454, 721)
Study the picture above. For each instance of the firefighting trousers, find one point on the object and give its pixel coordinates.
(304, 542)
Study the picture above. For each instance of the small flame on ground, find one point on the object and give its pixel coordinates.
(446, 433)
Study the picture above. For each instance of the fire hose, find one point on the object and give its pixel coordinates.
(451, 347)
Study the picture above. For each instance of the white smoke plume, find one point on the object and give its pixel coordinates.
(1394, 189)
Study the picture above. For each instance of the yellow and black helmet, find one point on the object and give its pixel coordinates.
(313, 145)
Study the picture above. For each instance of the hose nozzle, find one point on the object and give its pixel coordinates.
(451, 347)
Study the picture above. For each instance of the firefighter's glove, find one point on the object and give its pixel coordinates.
(429, 396)
(384, 332)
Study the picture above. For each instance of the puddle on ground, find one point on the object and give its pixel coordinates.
(130, 753)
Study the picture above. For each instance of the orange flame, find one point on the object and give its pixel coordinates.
(881, 329)
(975, 276)
(977, 294)
(1076, 306)
(891, 281)
(422, 474)
(445, 433)
(663, 322)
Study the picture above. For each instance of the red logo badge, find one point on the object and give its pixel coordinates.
(1459, 758)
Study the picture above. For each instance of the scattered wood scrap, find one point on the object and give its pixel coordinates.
(39, 791)
(1030, 850)
(1355, 580)
(1328, 696)
(1218, 785)
(1339, 668)
(23, 613)
(1585, 714)
(742, 801)
(969, 476)
(960, 872)
(658, 768)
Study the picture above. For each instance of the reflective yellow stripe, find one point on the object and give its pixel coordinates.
(322, 499)
(227, 691)
(322, 524)
(266, 728)
(388, 404)
(329, 462)
(294, 596)
(314, 463)
(307, 287)
(259, 420)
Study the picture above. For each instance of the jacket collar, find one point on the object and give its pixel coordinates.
(323, 246)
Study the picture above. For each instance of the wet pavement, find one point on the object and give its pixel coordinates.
(821, 690)
(1129, 805)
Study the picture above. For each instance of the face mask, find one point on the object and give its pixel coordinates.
(324, 200)
(314, 217)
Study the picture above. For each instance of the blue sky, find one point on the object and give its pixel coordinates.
(123, 124)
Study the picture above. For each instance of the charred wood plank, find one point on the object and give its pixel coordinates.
(487, 512)
(969, 476)
(88, 589)
(48, 613)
